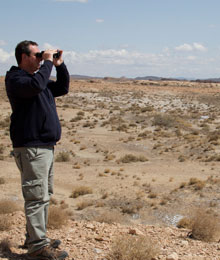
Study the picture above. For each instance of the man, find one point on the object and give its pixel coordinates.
(34, 130)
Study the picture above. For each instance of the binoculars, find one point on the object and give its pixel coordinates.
(55, 55)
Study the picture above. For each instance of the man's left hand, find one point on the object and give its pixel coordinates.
(59, 61)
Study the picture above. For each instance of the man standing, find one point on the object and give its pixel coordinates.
(34, 130)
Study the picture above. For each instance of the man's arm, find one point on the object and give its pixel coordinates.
(61, 85)
(25, 85)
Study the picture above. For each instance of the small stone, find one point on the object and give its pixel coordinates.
(184, 243)
(135, 231)
(172, 256)
(99, 238)
(90, 226)
(97, 250)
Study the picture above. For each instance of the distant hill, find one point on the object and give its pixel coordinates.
(211, 80)
(148, 78)
(153, 78)
(84, 77)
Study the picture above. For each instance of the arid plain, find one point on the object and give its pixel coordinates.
(134, 154)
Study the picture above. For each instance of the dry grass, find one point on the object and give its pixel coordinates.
(132, 158)
(63, 157)
(164, 120)
(8, 206)
(84, 204)
(109, 217)
(80, 191)
(127, 247)
(205, 226)
(5, 246)
(185, 223)
(132, 208)
(57, 217)
(2, 180)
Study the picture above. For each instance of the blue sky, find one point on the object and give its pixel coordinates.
(168, 38)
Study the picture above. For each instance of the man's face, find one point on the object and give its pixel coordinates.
(33, 63)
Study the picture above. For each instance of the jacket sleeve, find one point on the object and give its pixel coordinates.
(27, 85)
(61, 85)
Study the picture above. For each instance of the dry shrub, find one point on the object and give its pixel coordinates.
(8, 206)
(2, 180)
(185, 223)
(152, 195)
(205, 226)
(5, 223)
(5, 246)
(109, 217)
(197, 184)
(132, 208)
(2, 148)
(84, 204)
(132, 158)
(63, 157)
(57, 217)
(80, 191)
(164, 120)
(127, 247)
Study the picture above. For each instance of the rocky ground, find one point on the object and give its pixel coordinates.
(93, 240)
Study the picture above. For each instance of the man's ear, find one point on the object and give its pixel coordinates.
(24, 57)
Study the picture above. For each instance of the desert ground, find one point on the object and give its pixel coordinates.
(135, 159)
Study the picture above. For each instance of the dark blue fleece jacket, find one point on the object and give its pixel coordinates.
(34, 119)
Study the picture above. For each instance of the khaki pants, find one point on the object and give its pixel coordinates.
(36, 167)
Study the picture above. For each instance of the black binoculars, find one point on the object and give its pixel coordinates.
(55, 55)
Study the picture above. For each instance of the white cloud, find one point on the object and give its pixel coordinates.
(191, 58)
(192, 47)
(2, 42)
(125, 62)
(99, 20)
(47, 46)
(184, 47)
(5, 56)
(199, 47)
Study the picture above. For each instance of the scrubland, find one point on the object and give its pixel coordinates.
(137, 160)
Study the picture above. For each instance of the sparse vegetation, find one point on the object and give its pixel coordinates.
(205, 226)
(57, 217)
(164, 120)
(84, 204)
(133, 158)
(5, 246)
(63, 157)
(8, 206)
(128, 247)
(80, 191)
(2, 180)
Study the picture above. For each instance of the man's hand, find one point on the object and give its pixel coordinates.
(58, 61)
(48, 54)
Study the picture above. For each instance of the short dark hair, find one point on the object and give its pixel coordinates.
(23, 47)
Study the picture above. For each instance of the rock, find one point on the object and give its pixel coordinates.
(90, 226)
(97, 250)
(172, 256)
(184, 243)
(135, 231)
